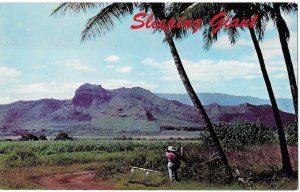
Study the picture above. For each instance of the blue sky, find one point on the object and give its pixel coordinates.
(41, 56)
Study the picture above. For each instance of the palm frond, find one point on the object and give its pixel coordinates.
(193, 11)
(146, 7)
(289, 8)
(209, 37)
(262, 21)
(232, 34)
(63, 8)
(104, 21)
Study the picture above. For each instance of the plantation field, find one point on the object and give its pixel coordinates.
(23, 163)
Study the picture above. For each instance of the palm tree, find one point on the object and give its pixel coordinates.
(284, 35)
(246, 11)
(243, 10)
(286, 163)
(104, 21)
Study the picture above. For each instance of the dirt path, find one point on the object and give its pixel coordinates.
(83, 180)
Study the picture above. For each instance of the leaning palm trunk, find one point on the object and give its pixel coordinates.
(286, 163)
(158, 13)
(199, 107)
(287, 57)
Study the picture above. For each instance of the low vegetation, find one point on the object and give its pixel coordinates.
(253, 154)
(291, 133)
(63, 136)
(245, 133)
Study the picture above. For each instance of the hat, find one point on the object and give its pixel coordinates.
(171, 148)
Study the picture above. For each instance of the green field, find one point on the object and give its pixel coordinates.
(20, 161)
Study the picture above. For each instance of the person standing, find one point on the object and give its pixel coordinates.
(172, 163)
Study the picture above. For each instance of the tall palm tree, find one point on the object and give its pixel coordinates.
(286, 163)
(242, 10)
(104, 21)
(284, 35)
(245, 11)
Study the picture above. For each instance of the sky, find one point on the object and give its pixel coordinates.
(42, 56)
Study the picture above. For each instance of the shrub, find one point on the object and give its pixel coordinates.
(241, 133)
(22, 157)
(291, 133)
(154, 160)
(63, 136)
(29, 137)
(198, 163)
(109, 169)
(42, 137)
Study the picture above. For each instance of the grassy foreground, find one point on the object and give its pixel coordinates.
(21, 162)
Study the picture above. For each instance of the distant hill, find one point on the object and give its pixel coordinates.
(95, 111)
(228, 100)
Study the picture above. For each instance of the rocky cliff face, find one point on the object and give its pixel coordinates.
(98, 111)
(86, 94)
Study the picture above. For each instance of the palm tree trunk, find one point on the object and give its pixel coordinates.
(286, 163)
(157, 11)
(287, 57)
(199, 107)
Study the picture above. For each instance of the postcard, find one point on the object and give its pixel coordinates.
(149, 96)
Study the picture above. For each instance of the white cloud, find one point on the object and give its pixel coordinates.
(118, 83)
(280, 76)
(34, 66)
(110, 66)
(52, 87)
(6, 100)
(152, 62)
(37, 91)
(250, 77)
(9, 74)
(112, 58)
(76, 65)
(208, 70)
(164, 65)
(57, 90)
(271, 47)
(276, 67)
(224, 43)
(272, 53)
(124, 69)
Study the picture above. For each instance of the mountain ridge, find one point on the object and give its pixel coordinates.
(206, 98)
(97, 111)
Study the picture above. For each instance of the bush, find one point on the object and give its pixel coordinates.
(198, 163)
(29, 137)
(112, 168)
(22, 157)
(241, 133)
(63, 136)
(42, 137)
(291, 133)
(154, 160)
